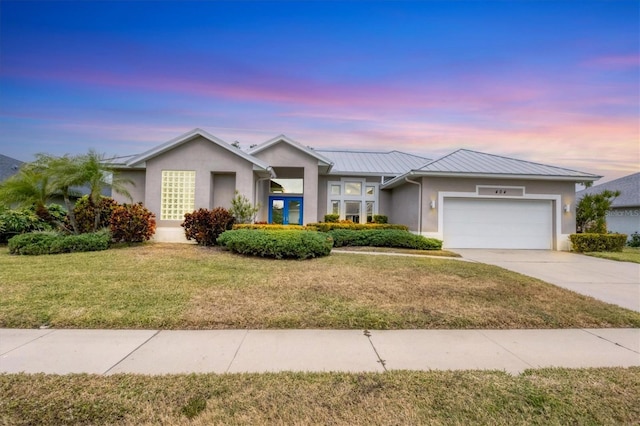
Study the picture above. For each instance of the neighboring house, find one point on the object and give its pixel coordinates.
(467, 198)
(624, 216)
(8, 167)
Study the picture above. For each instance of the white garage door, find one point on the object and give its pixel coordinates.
(508, 224)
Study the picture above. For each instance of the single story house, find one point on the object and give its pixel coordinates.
(467, 198)
(624, 216)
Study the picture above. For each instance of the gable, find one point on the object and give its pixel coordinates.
(200, 136)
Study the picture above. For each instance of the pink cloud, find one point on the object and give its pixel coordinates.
(615, 61)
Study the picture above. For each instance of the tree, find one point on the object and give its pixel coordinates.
(97, 174)
(31, 186)
(242, 210)
(591, 211)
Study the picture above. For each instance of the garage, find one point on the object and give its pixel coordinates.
(497, 223)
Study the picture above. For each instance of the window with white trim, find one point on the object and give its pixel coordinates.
(178, 194)
(353, 199)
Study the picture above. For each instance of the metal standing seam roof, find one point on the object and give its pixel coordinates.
(473, 162)
(629, 187)
(370, 162)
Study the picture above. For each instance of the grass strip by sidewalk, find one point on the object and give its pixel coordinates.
(628, 254)
(179, 286)
(606, 396)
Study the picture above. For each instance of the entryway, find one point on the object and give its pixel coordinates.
(285, 210)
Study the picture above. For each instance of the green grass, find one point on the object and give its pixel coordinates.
(180, 286)
(628, 254)
(605, 396)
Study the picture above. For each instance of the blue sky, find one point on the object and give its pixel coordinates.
(547, 81)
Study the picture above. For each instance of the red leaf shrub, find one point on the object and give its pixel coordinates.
(205, 226)
(85, 213)
(132, 223)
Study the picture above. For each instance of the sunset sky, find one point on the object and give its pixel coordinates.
(545, 81)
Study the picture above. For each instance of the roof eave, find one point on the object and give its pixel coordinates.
(421, 173)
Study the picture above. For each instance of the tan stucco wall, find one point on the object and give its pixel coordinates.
(204, 157)
(136, 190)
(284, 155)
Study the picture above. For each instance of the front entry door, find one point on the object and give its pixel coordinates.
(285, 210)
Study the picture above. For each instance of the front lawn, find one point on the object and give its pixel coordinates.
(180, 286)
(628, 254)
(605, 396)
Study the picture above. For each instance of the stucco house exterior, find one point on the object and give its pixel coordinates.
(467, 198)
(624, 216)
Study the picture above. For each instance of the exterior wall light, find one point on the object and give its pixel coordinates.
(433, 204)
(567, 208)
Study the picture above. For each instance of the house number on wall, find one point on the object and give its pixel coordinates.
(492, 191)
(501, 191)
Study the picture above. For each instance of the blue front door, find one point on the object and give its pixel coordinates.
(285, 210)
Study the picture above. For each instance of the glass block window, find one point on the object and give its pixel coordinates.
(178, 194)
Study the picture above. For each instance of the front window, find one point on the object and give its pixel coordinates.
(287, 186)
(353, 199)
(178, 194)
(352, 211)
(353, 188)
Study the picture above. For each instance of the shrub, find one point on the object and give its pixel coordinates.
(284, 244)
(269, 226)
(383, 238)
(242, 210)
(597, 242)
(85, 213)
(37, 243)
(132, 223)
(634, 240)
(14, 222)
(204, 226)
(380, 218)
(331, 218)
(328, 226)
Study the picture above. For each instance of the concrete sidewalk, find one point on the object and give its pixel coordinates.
(233, 351)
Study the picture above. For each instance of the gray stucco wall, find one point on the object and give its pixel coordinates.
(432, 185)
(203, 157)
(284, 155)
(136, 189)
(404, 202)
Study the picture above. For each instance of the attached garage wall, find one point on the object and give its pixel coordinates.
(498, 223)
(556, 194)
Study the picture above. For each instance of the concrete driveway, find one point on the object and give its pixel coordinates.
(606, 280)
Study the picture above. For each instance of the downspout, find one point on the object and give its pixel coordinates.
(419, 202)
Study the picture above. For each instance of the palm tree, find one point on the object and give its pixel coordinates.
(66, 173)
(31, 186)
(97, 174)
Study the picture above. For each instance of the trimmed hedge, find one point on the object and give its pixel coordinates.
(132, 223)
(37, 243)
(329, 226)
(268, 226)
(383, 238)
(281, 244)
(583, 243)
